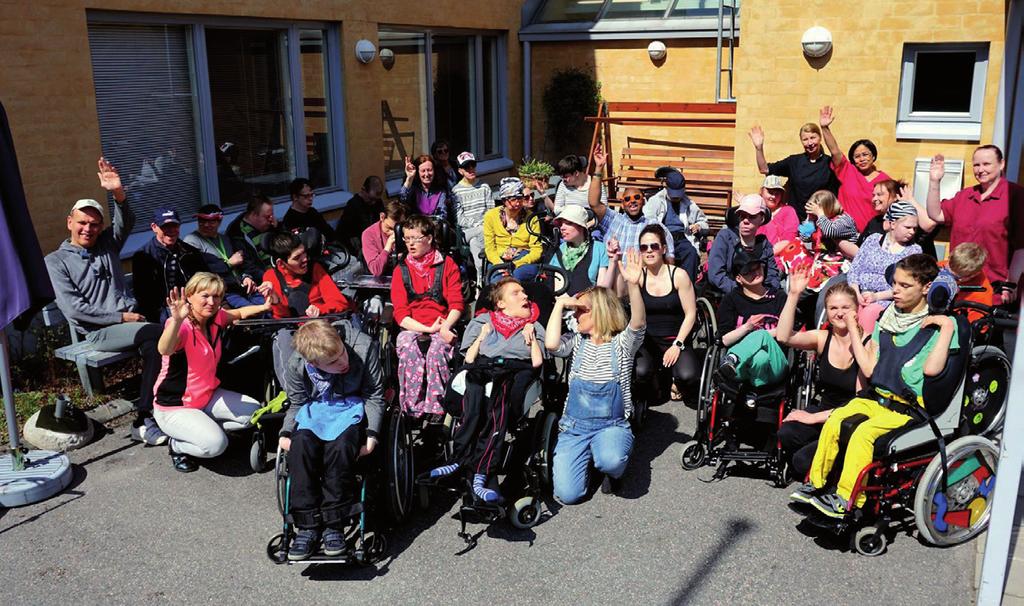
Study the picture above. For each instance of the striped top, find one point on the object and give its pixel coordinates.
(471, 202)
(595, 365)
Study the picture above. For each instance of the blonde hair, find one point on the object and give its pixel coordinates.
(967, 259)
(317, 341)
(202, 281)
(810, 127)
(828, 203)
(607, 312)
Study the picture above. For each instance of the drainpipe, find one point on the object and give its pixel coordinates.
(527, 99)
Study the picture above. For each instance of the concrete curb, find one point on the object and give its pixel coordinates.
(104, 413)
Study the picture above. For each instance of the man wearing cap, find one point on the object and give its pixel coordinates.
(222, 259)
(740, 235)
(472, 199)
(163, 263)
(92, 294)
(681, 217)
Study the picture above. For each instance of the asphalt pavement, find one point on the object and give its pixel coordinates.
(132, 530)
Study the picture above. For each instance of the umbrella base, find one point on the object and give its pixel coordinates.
(46, 473)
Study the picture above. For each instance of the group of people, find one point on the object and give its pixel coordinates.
(839, 235)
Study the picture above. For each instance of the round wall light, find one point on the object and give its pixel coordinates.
(817, 42)
(657, 50)
(365, 51)
(387, 58)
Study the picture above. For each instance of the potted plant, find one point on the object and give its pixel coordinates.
(535, 173)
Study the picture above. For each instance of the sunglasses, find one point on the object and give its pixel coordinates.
(633, 198)
(656, 247)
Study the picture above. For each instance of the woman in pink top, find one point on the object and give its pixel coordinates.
(379, 239)
(189, 404)
(783, 226)
(857, 174)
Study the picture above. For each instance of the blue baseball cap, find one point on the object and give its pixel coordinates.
(164, 215)
(675, 184)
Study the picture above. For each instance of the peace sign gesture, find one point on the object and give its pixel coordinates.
(177, 305)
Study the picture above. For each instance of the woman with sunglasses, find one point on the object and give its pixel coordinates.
(442, 152)
(425, 190)
(426, 292)
(594, 430)
(506, 237)
(671, 308)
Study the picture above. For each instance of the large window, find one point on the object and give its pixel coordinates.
(942, 91)
(440, 86)
(192, 112)
(574, 11)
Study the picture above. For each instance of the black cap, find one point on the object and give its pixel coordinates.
(743, 262)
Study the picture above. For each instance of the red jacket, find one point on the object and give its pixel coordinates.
(323, 292)
(425, 310)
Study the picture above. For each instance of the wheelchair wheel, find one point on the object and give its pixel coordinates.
(869, 541)
(707, 386)
(277, 548)
(693, 455)
(547, 436)
(962, 511)
(398, 466)
(706, 327)
(281, 479)
(258, 452)
(985, 392)
(525, 513)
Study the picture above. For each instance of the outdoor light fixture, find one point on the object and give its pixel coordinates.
(365, 51)
(387, 57)
(657, 50)
(817, 41)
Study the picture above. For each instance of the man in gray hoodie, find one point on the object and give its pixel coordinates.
(92, 293)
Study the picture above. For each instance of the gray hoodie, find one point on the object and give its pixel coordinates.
(89, 284)
(497, 346)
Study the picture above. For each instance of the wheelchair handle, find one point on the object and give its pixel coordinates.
(500, 267)
(255, 349)
(270, 323)
(556, 270)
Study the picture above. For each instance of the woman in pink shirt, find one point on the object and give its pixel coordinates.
(857, 174)
(189, 404)
(379, 239)
(783, 226)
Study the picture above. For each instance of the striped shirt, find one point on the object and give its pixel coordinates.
(580, 196)
(842, 227)
(595, 365)
(471, 202)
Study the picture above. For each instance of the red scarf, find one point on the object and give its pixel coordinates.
(507, 326)
(423, 267)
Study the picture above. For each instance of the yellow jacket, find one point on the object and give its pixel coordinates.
(497, 239)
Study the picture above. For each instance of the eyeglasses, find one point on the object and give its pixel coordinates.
(655, 247)
(415, 240)
(633, 198)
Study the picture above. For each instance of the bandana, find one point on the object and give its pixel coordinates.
(423, 267)
(573, 254)
(897, 322)
(507, 326)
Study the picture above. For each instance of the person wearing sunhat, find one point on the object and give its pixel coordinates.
(92, 293)
(742, 222)
(163, 263)
(472, 199)
(506, 237)
(222, 259)
(584, 258)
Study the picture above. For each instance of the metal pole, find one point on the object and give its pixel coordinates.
(8, 393)
(527, 99)
(1004, 501)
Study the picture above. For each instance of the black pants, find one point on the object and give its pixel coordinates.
(649, 366)
(799, 442)
(686, 256)
(323, 480)
(480, 434)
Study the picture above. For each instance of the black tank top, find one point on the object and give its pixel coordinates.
(836, 386)
(664, 313)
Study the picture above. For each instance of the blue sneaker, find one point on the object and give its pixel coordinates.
(334, 542)
(304, 544)
(804, 493)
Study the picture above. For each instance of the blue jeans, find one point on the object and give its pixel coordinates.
(523, 273)
(607, 443)
(236, 300)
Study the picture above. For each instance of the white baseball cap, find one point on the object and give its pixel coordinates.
(87, 203)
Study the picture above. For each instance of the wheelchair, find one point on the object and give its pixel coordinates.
(937, 472)
(739, 423)
(364, 536)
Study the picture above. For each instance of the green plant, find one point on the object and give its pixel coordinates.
(532, 168)
(571, 96)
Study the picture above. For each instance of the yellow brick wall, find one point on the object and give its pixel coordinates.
(626, 73)
(46, 82)
(779, 89)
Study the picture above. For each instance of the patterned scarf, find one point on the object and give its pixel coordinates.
(574, 254)
(507, 326)
(423, 267)
(897, 322)
(322, 383)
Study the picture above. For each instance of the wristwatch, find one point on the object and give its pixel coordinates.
(678, 343)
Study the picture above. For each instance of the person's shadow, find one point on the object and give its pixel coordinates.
(659, 433)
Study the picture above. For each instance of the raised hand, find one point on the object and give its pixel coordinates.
(177, 305)
(410, 168)
(756, 135)
(825, 116)
(600, 157)
(812, 209)
(568, 301)
(632, 271)
(612, 246)
(110, 180)
(907, 194)
(937, 170)
(799, 277)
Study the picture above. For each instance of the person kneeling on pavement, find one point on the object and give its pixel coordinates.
(336, 390)
(904, 355)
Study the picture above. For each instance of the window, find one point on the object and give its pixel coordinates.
(699, 8)
(561, 11)
(451, 92)
(192, 112)
(632, 9)
(942, 91)
(574, 11)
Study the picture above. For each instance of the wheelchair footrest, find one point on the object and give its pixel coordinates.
(755, 456)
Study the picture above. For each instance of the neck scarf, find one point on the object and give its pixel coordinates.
(507, 326)
(322, 384)
(423, 267)
(574, 254)
(897, 322)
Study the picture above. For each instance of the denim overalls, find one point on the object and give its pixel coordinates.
(593, 427)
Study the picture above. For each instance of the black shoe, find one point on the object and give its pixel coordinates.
(611, 485)
(183, 462)
(727, 371)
